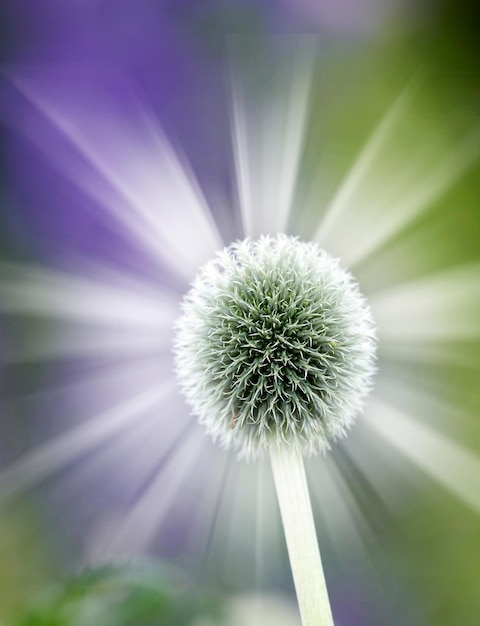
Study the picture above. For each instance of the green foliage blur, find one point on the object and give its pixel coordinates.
(146, 594)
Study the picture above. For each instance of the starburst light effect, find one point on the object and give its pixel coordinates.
(122, 323)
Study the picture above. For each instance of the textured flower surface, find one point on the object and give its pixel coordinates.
(275, 346)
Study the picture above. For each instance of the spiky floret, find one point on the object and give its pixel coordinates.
(276, 346)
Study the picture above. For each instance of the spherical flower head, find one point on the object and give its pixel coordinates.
(275, 347)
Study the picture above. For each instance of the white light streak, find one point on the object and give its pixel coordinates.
(447, 462)
(419, 195)
(145, 518)
(440, 306)
(345, 522)
(100, 316)
(267, 142)
(54, 294)
(347, 195)
(138, 178)
(47, 459)
(392, 181)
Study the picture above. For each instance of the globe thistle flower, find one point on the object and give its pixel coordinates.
(275, 346)
(114, 315)
(275, 351)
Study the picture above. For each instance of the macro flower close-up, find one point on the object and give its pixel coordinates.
(275, 337)
(239, 311)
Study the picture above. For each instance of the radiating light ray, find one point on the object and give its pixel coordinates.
(216, 538)
(210, 489)
(343, 518)
(247, 509)
(92, 389)
(418, 197)
(45, 460)
(240, 154)
(447, 353)
(392, 182)
(440, 306)
(47, 293)
(439, 402)
(268, 532)
(447, 462)
(236, 520)
(239, 522)
(430, 352)
(101, 491)
(376, 466)
(145, 518)
(267, 145)
(144, 448)
(344, 200)
(177, 183)
(140, 445)
(86, 341)
(100, 316)
(284, 142)
(146, 188)
(260, 531)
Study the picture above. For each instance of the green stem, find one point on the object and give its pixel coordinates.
(302, 545)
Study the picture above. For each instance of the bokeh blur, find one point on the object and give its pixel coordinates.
(388, 177)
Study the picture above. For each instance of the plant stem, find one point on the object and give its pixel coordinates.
(302, 545)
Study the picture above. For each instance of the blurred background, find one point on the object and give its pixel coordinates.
(407, 551)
